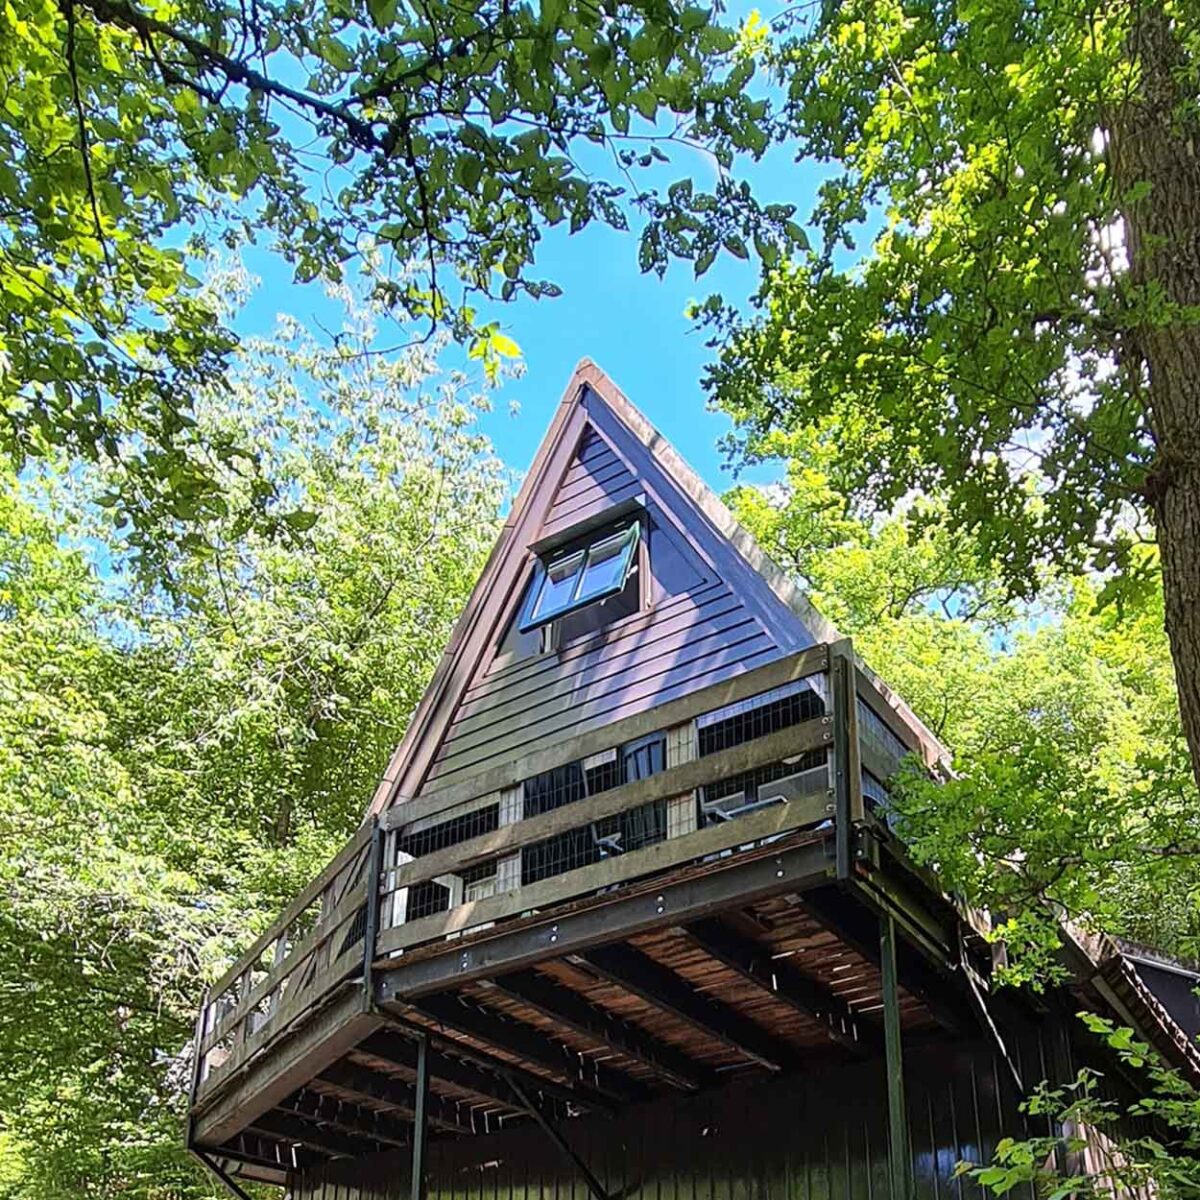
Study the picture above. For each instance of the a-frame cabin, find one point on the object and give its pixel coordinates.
(625, 917)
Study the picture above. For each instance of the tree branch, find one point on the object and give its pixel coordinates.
(84, 150)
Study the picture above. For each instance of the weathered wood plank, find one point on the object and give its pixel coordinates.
(325, 931)
(641, 976)
(506, 670)
(315, 1045)
(308, 894)
(614, 674)
(751, 828)
(895, 715)
(573, 1011)
(714, 660)
(298, 1000)
(686, 777)
(671, 631)
(604, 735)
(533, 1046)
(778, 977)
(792, 866)
(598, 501)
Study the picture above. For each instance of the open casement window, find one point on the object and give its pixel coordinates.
(573, 578)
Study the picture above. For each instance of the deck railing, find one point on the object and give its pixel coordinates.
(359, 905)
(309, 950)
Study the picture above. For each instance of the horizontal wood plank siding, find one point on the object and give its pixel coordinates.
(505, 672)
(722, 618)
(647, 685)
(687, 639)
(591, 502)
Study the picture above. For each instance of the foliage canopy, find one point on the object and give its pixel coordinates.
(172, 773)
(1021, 337)
(429, 146)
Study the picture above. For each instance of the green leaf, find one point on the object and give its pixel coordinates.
(335, 53)
(300, 521)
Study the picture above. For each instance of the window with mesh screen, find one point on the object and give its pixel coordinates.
(450, 833)
(753, 718)
(758, 716)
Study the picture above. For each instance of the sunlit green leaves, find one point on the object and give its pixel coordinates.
(959, 326)
(173, 769)
(451, 136)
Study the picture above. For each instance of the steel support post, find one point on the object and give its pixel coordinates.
(899, 1160)
(420, 1118)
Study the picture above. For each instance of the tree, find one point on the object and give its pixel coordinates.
(1022, 339)
(175, 765)
(1072, 791)
(447, 135)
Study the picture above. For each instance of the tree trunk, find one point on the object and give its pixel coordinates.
(1155, 141)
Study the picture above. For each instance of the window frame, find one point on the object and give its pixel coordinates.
(632, 538)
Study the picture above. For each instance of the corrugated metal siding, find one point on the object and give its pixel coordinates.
(818, 1137)
(699, 631)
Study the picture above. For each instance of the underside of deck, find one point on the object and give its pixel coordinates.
(762, 968)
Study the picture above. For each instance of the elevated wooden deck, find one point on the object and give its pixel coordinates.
(665, 966)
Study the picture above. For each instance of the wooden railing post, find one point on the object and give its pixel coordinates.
(512, 810)
(682, 815)
(845, 762)
(374, 903)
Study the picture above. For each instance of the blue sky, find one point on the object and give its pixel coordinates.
(632, 324)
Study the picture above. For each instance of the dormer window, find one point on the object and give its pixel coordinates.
(581, 574)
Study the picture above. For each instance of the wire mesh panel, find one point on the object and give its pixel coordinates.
(606, 831)
(450, 832)
(598, 840)
(757, 717)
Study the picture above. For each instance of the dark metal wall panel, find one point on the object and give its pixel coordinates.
(816, 1137)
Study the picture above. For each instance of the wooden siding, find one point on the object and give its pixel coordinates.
(821, 1136)
(699, 628)
(596, 480)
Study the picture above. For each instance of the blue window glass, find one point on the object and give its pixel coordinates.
(581, 576)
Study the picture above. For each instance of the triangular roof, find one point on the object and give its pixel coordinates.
(595, 418)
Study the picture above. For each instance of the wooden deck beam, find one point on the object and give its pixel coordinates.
(401, 1097)
(260, 1151)
(734, 881)
(753, 962)
(528, 1044)
(478, 1073)
(659, 986)
(347, 1116)
(858, 927)
(574, 1012)
(304, 1131)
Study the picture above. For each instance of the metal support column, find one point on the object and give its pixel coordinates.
(593, 1184)
(899, 1162)
(420, 1119)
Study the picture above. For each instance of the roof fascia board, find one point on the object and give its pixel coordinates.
(491, 599)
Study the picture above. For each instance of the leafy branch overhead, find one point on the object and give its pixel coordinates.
(1003, 310)
(450, 136)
